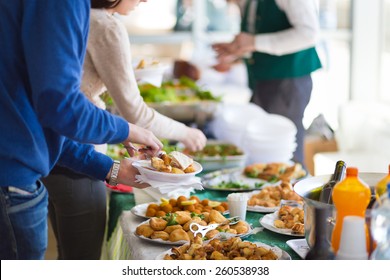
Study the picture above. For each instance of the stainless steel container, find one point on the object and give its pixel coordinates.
(309, 190)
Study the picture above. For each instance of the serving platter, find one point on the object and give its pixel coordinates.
(140, 210)
(145, 168)
(232, 180)
(221, 235)
(281, 254)
(268, 222)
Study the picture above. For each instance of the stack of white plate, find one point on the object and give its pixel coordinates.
(230, 121)
(272, 139)
(264, 137)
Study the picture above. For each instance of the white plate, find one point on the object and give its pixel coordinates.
(299, 246)
(258, 208)
(268, 222)
(181, 242)
(211, 180)
(282, 255)
(145, 168)
(140, 209)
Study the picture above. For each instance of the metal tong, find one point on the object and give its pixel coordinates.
(197, 228)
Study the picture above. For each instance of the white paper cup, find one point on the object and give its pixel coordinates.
(353, 244)
(237, 205)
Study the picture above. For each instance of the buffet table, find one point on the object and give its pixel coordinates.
(123, 244)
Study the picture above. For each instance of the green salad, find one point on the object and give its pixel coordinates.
(236, 185)
(184, 89)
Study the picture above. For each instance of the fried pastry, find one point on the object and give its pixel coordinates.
(160, 235)
(157, 223)
(178, 234)
(144, 230)
(216, 216)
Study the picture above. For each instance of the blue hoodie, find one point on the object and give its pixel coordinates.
(44, 118)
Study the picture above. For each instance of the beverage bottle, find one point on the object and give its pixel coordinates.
(351, 197)
(380, 227)
(380, 187)
(327, 189)
(321, 249)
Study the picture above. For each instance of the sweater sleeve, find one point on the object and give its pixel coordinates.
(111, 57)
(83, 158)
(54, 46)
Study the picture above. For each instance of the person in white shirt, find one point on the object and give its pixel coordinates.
(277, 42)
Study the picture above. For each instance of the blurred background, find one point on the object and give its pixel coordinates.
(351, 92)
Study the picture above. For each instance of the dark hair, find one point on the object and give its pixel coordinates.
(98, 4)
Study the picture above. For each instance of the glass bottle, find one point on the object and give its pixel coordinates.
(380, 187)
(321, 249)
(327, 189)
(351, 197)
(380, 227)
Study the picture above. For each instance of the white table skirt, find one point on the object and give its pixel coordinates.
(139, 249)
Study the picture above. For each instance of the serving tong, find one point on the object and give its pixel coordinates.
(197, 228)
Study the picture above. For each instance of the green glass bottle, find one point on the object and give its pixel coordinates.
(327, 189)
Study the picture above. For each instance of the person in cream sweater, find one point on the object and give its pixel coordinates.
(77, 204)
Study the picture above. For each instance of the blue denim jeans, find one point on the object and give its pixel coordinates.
(23, 222)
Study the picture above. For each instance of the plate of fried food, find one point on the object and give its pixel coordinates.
(191, 204)
(174, 228)
(231, 249)
(173, 167)
(288, 220)
(268, 199)
(276, 171)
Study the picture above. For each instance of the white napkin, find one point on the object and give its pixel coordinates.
(193, 183)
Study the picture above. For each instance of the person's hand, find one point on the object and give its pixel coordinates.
(142, 136)
(126, 174)
(194, 139)
(242, 44)
(222, 67)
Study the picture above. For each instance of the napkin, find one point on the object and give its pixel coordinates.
(193, 183)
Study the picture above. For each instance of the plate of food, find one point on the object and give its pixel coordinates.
(287, 220)
(173, 167)
(276, 171)
(232, 180)
(269, 198)
(230, 249)
(190, 204)
(218, 155)
(174, 228)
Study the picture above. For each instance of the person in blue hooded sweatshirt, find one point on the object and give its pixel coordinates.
(46, 120)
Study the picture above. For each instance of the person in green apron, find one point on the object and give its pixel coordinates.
(277, 42)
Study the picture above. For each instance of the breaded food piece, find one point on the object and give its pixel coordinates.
(178, 234)
(169, 229)
(216, 216)
(189, 169)
(183, 217)
(176, 170)
(160, 235)
(157, 223)
(144, 230)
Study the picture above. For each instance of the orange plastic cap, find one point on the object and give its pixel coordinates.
(352, 171)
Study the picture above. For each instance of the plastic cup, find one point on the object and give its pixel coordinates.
(237, 205)
(353, 244)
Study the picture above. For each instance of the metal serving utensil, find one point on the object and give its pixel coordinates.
(197, 228)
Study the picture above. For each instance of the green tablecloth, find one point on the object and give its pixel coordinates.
(125, 201)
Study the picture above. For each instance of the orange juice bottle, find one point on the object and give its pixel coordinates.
(351, 197)
(381, 186)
